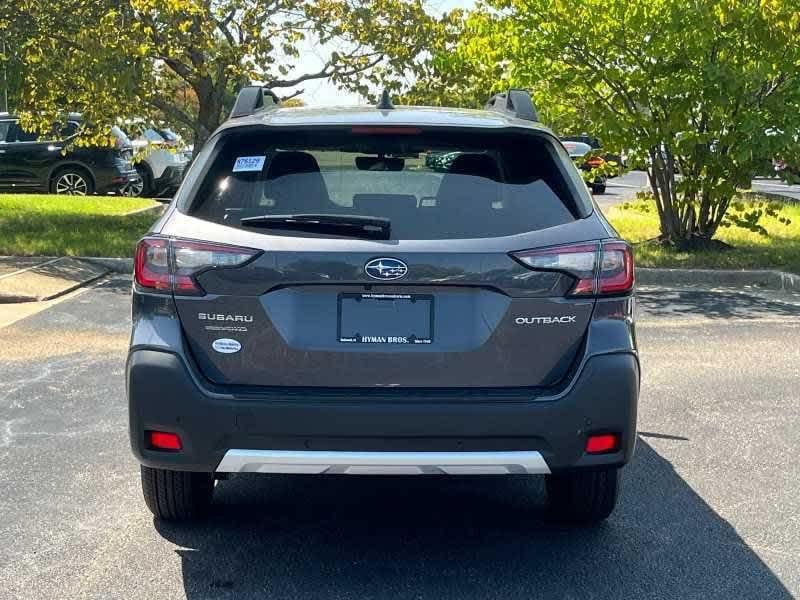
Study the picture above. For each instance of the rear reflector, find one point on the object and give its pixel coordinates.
(172, 264)
(600, 444)
(162, 440)
(599, 268)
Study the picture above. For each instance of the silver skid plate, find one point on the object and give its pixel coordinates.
(383, 463)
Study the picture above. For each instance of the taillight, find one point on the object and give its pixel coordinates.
(580, 261)
(151, 264)
(599, 268)
(616, 269)
(172, 264)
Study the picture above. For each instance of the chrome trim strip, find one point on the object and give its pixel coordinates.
(383, 463)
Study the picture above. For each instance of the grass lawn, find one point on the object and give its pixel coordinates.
(637, 222)
(45, 225)
(49, 225)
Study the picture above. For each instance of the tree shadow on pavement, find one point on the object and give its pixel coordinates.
(427, 537)
(728, 304)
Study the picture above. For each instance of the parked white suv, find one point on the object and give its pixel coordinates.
(161, 163)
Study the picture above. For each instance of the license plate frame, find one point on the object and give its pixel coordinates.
(371, 337)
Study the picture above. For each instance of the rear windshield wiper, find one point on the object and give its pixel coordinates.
(373, 228)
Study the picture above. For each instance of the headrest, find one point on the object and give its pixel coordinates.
(291, 163)
(478, 165)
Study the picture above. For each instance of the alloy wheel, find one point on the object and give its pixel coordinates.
(72, 184)
(134, 189)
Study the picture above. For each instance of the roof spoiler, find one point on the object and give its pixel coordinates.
(517, 103)
(252, 99)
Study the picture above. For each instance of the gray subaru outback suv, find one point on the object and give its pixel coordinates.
(381, 290)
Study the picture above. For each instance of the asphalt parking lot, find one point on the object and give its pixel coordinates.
(623, 188)
(710, 507)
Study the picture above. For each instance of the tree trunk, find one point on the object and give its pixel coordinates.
(210, 96)
(662, 182)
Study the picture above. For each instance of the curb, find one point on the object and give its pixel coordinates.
(114, 265)
(157, 210)
(762, 279)
(52, 278)
(19, 299)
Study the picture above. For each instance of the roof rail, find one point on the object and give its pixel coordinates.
(517, 103)
(251, 99)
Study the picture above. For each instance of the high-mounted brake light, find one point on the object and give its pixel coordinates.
(599, 268)
(386, 130)
(172, 264)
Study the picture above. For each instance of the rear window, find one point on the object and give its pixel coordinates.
(429, 185)
(120, 136)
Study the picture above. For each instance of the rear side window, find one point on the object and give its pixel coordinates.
(17, 134)
(151, 135)
(433, 185)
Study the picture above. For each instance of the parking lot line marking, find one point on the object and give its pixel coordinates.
(782, 186)
(625, 185)
(11, 313)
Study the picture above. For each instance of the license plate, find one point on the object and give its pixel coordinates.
(385, 319)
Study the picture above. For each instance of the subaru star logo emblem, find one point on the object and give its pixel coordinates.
(385, 268)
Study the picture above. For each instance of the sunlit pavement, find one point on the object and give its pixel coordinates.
(710, 507)
(620, 189)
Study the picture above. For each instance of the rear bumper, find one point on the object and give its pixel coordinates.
(113, 180)
(164, 394)
(169, 182)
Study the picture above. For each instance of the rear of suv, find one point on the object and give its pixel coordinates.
(53, 163)
(322, 298)
(160, 163)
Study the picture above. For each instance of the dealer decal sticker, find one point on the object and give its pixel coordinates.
(226, 346)
(245, 164)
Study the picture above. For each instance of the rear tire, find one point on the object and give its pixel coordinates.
(72, 181)
(147, 181)
(585, 497)
(177, 495)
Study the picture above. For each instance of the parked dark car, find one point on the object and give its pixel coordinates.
(317, 300)
(29, 162)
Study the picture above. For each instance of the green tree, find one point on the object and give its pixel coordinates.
(707, 88)
(186, 59)
(13, 29)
